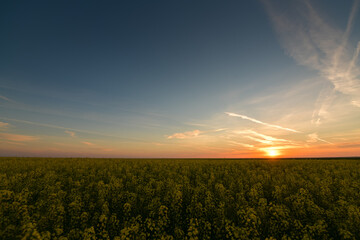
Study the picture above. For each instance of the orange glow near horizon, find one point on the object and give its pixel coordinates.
(272, 152)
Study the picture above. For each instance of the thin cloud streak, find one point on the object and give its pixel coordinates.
(266, 137)
(184, 135)
(5, 98)
(73, 129)
(322, 105)
(313, 138)
(72, 134)
(220, 130)
(345, 37)
(259, 140)
(17, 137)
(265, 143)
(260, 122)
(262, 138)
(241, 144)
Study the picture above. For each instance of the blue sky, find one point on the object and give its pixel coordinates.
(159, 78)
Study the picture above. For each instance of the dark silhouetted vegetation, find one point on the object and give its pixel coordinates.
(179, 199)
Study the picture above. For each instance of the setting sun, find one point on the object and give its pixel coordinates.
(272, 152)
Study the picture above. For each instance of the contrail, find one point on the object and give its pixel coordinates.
(260, 122)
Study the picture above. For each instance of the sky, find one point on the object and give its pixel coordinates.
(179, 79)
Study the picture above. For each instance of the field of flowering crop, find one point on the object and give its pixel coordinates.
(179, 199)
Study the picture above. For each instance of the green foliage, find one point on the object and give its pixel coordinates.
(68, 199)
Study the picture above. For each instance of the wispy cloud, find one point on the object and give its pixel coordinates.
(17, 137)
(315, 43)
(322, 106)
(4, 125)
(241, 144)
(220, 129)
(189, 134)
(313, 138)
(261, 138)
(97, 147)
(13, 143)
(266, 137)
(72, 134)
(282, 147)
(88, 143)
(5, 98)
(269, 145)
(260, 122)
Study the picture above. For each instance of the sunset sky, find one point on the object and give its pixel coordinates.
(180, 78)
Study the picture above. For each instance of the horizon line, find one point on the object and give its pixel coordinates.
(189, 158)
